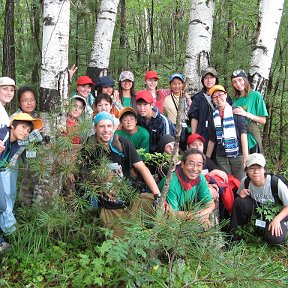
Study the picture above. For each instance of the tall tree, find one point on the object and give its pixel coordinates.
(100, 55)
(9, 42)
(199, 41)
(270, 13)
(54, 68)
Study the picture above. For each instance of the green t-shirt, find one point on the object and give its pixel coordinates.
(126, 102)
(255, 105)
(140, 139)
(182, 200)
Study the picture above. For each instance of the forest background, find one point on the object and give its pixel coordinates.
(58, 249)
(153, 35)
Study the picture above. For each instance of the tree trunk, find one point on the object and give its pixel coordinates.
(35, 29)
(100, 55)
(123, 24)
(9, 42)
(53, 91)
(270, 13)
(54, 68)
(199, 42)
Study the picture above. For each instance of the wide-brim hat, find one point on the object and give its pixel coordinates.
(7, 81)
(217, 88)
(125, 110)
(37, 122)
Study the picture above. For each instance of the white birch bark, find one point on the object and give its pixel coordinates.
(270, 13)
(53, 89)
(54, 73)
(100, 54)
(199, 40)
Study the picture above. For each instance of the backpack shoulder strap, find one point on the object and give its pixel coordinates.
(246, 182)
(274, 188)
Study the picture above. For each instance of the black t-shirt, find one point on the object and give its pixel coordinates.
(93, 153)
(210, 165)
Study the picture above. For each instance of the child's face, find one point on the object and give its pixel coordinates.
(21, 131)
(6, 94)
(126, 84)
(129, 122)
(151, 83)
(176, 85)
(77, 110)
(107, 90)
(83, 90)
(144, 108)
(27, 102)
(103, 105)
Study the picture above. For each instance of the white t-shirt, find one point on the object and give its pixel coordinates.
(4, 118)
(264, 194)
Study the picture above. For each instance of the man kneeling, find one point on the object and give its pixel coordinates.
(188, 187)
(257, 192)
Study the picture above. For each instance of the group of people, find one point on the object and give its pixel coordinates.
(224, 141)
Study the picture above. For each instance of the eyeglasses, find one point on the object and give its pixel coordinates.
(254, 168)
(28, 100)
(217, 96)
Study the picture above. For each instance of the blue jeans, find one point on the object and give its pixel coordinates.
(8, 180)
(3, 204)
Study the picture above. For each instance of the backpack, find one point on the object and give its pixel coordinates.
(227, 191)
(274, 186)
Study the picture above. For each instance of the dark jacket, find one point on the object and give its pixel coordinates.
(158, 126)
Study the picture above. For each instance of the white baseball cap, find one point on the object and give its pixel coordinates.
(7, 81)
(255, 159)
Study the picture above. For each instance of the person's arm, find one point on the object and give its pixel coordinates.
(244, 144)
(2, 146)
(248, 115)
(210, 148)
(204, 213)
(194, 124)
(148, 178)
(219, 173)
(72, 70)
(275, 225)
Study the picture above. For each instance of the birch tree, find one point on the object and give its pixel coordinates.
(53, 90)
(270, 13)
(199, 40)
(100, 55)
(54, 66)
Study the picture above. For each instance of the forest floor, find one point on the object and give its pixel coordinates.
(64, 245)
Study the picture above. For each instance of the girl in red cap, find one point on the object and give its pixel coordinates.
(83, 89)
(151, 82)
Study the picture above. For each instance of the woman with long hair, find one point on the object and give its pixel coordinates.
(250, 104)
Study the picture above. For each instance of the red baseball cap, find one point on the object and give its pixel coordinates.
(194, 137)
(150, 75)
(82, 80)
(145, 95)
